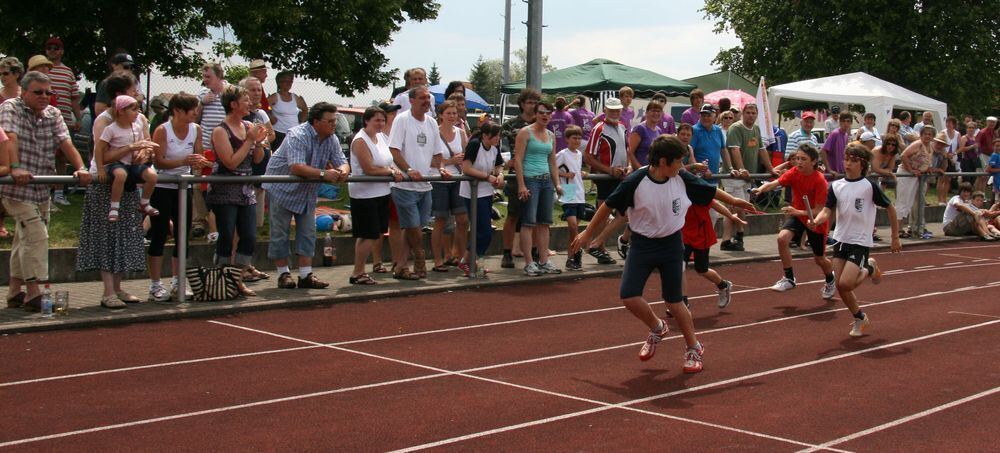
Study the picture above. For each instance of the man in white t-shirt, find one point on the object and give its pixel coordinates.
(417, 78)
(416, 147)
(961, 218)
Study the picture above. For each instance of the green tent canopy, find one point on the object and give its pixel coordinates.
(723, 80)
(604, 75)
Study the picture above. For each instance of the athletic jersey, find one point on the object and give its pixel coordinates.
(813, 186)
(855, 202)
(607, 143)
(699, 229)
(568, 161)
(658, 209)
(484, 160)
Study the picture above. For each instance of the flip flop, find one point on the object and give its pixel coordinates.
(379, 268)
(441, 268)
(405, 274)
(17, 301)
(363, 279)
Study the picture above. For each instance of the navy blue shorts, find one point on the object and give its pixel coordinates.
(133, 174)
(665, 254)
(573, 210)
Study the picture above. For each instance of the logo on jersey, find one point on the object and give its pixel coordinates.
(859, 204)
(421, 139)
(676, 206)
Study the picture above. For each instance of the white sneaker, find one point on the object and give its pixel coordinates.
(725, 294)
(532, 270)
(60, 199)
(212, 237)
(783, 285)
(829, 289)
(548, 268)
(859, 325)
(157, 293)
(188, 294)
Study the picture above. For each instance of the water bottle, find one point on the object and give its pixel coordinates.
(329, 251)
(47, 302)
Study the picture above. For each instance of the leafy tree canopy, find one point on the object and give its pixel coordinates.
(487, 75)
(946, 50)
(337, 41)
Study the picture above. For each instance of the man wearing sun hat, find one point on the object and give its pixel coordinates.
(258, 69)
(607, 154)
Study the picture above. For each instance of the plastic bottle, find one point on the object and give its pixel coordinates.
(329, 251)
(47, 302)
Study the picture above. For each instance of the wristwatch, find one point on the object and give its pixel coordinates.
(322, 174)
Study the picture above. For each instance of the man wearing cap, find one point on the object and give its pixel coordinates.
(258, 69)
(831, 122)
(607, 153)
(709, 142)
(119, 62)
(802, 135)
(36, 131)
(747, 154)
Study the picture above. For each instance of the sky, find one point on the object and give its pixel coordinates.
(678, 42)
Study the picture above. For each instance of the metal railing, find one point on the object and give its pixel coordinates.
(184, 182)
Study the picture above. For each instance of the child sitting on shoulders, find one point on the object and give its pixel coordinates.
(114, 151)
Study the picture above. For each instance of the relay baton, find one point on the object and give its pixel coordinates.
(809, 208)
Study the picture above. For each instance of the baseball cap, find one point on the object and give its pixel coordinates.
(54, 41)
(707, 108)
(868, 137)
(613, 104)
(38, 60)
(123, 59)
(389, 107)
(835, 109)
(257, 64)
(807, 114)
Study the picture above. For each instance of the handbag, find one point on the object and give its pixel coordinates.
(215, 283)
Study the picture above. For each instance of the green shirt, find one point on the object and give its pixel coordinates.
(750, 143)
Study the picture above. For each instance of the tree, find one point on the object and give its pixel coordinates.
(948, 51)
(485, 78)
(519, 67)
(338, 42)
(434, 77)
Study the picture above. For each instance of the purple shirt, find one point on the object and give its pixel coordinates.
(628, 114)
(691, 116)
(582, 118)
(666, 123)
(561, 119)
(834, 146)
(646, 137)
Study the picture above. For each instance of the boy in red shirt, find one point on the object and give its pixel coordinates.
(699, 236)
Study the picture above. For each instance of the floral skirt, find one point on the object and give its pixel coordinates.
(110, 247)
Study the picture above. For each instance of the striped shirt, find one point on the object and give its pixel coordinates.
(212, 114)
(38, 138)
(301, 146)
(797, 139)
(66, 89)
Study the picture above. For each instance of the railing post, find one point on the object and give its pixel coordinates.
(918, 207)
(180, 237)
(473, 220)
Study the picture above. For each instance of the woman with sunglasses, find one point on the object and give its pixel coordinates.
(11, 71)
(537, 177)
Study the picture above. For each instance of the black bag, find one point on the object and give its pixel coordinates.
(215, 283)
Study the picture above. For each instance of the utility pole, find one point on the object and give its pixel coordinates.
(534, 63)
(506, 42)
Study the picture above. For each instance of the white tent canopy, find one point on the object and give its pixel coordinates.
(876, 95)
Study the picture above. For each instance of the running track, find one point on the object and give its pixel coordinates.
(539, 367)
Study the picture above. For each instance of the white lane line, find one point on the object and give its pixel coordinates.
(981, 260)
(954, 263)
(431, 332)
(972, 314)
(697, 388)
(924, 267)
(406, 380)
(907, 419)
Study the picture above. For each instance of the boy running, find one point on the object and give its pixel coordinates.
(805, 180)
(855, 199)
(569, 161)
(656, 199)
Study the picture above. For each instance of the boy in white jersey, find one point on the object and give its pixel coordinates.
(656, 199)
(855, 199)
(569, 162)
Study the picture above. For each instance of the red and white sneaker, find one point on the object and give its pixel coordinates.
(693, 359)
(876, 274)
(649, 347)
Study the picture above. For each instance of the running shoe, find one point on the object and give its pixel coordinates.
(649, 347)
(783, 285)
(693, 359)
(532, 270)
(572, 266)
(725, 294)
(622, 246)
(876, 274)
(602, 256)
(548, 268)
(60, 199)
(859, 325)
(157, 293)
(507, 262)
(828, 289)
(188, 294)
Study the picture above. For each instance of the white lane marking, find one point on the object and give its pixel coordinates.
(696, 388)
(906, 419)
(426, 332)
(972, 314)
(924, 267)
(954, 263)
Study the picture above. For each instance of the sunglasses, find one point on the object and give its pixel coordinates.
(41, 92)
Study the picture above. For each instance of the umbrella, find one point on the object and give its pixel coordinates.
(473, 100)
(739, 98)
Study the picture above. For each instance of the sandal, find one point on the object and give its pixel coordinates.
(405, 274)
(127, 298)
(112, 302)
(258, 274)
(420, 267)
(17, 301)
(363, 279)
(246, 292)
(249, 276)
(113, 216)
(148, 210)
(440, 268)
(379, 268)
(451, 262)
(905, 234)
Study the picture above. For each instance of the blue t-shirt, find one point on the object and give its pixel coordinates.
(708, 146)
(995, 163)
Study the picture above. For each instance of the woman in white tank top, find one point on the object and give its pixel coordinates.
(288, 109)
(180, 150)
(447, 247)
(370, 156)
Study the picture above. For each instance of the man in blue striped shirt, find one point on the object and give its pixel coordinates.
(802, 135)
(307, 152)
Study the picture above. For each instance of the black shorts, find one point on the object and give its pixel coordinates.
(700, 257)
(817, 241)
(646, 254)
(369, 217)
(970, 165)
(605, 188)
(513, 202)
(133, 173)
(857, 254)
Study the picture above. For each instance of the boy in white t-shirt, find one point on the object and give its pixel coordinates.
(570, 162)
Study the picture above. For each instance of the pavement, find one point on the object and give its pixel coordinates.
(85, 309)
